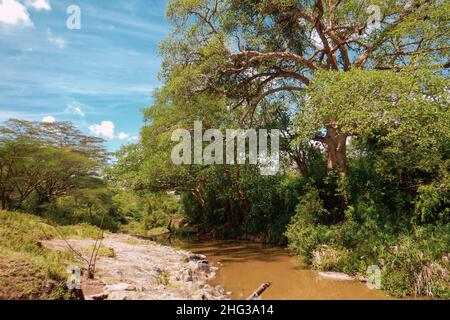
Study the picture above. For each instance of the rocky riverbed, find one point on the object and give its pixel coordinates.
(132, 269)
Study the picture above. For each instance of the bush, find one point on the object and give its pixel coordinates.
(413, 262)
(433, 203)
(146, 211)
(418, 264)
(328, 258)
(305, 232)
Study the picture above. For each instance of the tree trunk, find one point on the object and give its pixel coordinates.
(3, 201)
(336, 143)
(201, 201)
(301, 166)
(199, 198)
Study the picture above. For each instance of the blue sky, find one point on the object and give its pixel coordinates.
(99, 77)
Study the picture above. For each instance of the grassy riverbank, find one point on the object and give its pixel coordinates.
(27, 269)
(34, 258)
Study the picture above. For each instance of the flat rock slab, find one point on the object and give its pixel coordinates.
(337, 276)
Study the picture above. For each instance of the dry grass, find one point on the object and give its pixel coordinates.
(430, 278)
(102, 251)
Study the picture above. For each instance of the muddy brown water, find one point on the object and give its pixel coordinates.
(244, 266)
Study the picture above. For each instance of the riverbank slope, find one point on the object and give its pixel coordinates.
(35, 257)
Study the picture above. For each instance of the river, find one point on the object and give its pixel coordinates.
(244, 266)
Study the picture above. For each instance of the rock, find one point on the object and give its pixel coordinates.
(186, 275)
(158, 270)
(100, 296)
(131, 288)
(220, 289)
(196, 257)
(338, 276)
(202, 267)
(119, 287)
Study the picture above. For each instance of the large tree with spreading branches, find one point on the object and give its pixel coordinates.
(257, 52)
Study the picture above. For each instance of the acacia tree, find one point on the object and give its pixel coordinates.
(254, 52)
(46, 159)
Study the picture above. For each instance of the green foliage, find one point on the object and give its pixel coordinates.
(418, 264)
(303, 232)
(93, 205)
(163, 278)
(402, 109)
(414, 259)
(147, 212)
(44, 160)
(263, 213)
(52, 170)
(433, 201)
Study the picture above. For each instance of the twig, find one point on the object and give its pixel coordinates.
(70, 246)
(95, 250)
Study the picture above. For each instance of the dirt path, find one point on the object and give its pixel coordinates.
(143, 270)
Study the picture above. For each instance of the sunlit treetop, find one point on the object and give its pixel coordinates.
(257, 50)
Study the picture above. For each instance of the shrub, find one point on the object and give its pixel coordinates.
(328, 258)
(414, 266)
(303, 233)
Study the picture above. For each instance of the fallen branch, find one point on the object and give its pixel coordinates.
(255, 295)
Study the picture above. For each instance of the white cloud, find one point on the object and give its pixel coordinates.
(49, 119)
(75, 109)
(134, 139)
(60, 42)
(105, 129)
(14, 13)
(39, 4)
(122, 136)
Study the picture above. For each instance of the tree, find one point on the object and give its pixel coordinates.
(253, 52)
(44, 159)
(407, 111)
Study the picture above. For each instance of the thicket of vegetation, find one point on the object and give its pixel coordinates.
(363, 112)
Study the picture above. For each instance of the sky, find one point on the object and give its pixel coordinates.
(99, 77)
